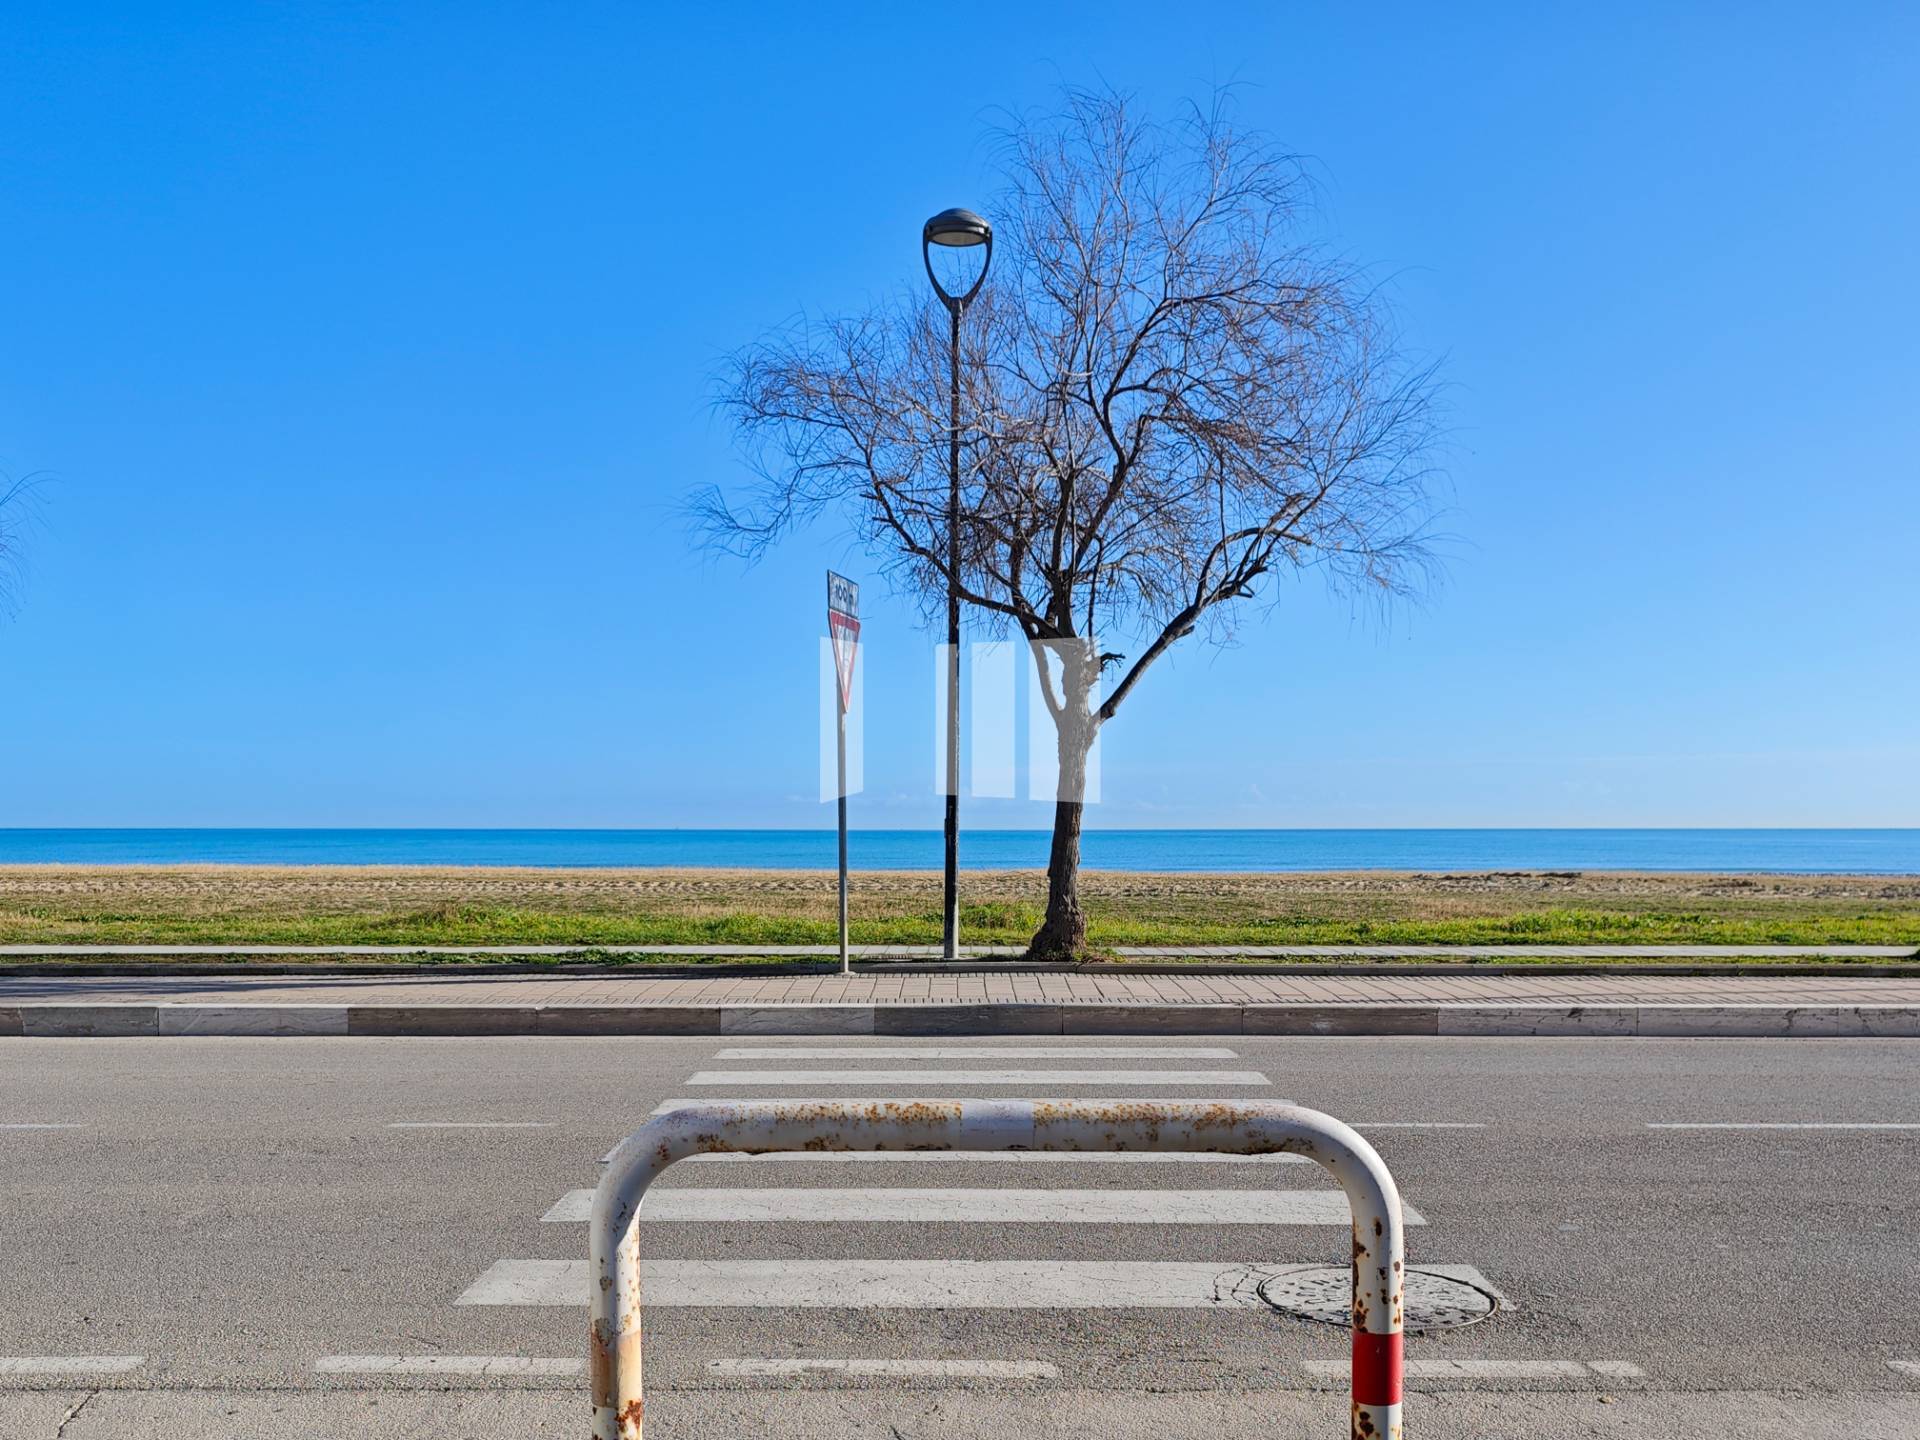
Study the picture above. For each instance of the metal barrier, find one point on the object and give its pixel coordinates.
(758, 1127)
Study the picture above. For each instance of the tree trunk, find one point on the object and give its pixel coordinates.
(1063, 934)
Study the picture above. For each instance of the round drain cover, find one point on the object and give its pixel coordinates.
(1324, 1295)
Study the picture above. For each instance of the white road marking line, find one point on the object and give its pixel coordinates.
(979, 1052)
(977, 1369)
(1005, 1157)
(668, 1107)
(903, 1284)
(70, 1364)
(1617, 1369)
(470, 1124)
(445, 1365)
(1784, 1125)
(39, 1125)
(1906, 1367)
(1491, 1369)
(963, 1078)
(992, 1157)
(984, 1206)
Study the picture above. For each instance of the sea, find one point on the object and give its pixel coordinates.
(1876, 852)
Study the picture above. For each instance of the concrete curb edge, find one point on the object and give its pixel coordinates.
(148, 1020)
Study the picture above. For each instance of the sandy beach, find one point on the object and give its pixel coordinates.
(396, 904)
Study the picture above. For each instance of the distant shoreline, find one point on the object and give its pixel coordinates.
(1365, 875)
(1833, 851)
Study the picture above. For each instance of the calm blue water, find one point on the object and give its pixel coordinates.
(1844, 851)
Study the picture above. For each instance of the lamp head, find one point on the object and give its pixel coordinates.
(957, 228)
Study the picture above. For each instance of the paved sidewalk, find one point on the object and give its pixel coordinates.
(906, 1003)
(951, 988)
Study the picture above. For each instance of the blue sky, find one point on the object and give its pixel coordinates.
(369, 352)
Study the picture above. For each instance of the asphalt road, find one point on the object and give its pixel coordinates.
(264, 1223)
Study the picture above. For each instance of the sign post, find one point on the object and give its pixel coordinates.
(843, 626)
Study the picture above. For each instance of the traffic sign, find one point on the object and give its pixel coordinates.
(843, 625)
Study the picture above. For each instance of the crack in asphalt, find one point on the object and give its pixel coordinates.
(68, 1418)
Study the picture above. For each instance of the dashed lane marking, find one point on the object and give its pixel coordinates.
(70, 1364)
(1784, 1125)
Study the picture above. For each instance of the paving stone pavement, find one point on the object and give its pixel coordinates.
(948, 988)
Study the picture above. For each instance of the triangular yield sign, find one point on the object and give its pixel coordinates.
(846, 644)
(843, 625)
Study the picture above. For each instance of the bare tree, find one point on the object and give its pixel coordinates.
(1172, 392)
(16, 515)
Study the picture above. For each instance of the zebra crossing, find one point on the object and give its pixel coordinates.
(841, 1196)
(1245, 1230)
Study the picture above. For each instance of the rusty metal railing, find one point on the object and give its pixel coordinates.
(757, 1127)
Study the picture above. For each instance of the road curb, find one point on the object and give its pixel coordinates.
(481, 970)
(127, 1021)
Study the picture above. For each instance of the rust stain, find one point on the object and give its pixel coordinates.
(629, 1417)
(599, 1366)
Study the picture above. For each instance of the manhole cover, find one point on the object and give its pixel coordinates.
(1324, 1295)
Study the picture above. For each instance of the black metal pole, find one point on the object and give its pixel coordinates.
(964, 229)
(950, 930)
(846, 962)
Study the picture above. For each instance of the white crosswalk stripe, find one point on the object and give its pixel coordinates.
(907, 1369)
(994, 1157)
(979, 1052)
(494, 1366)
(904, 1284)
(949, 1079)
(667, 1107)
(1419, 1369)
(992, 1205)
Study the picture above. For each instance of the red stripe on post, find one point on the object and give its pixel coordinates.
(1378, 1368)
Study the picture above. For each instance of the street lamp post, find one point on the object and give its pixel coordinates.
(959, 229)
